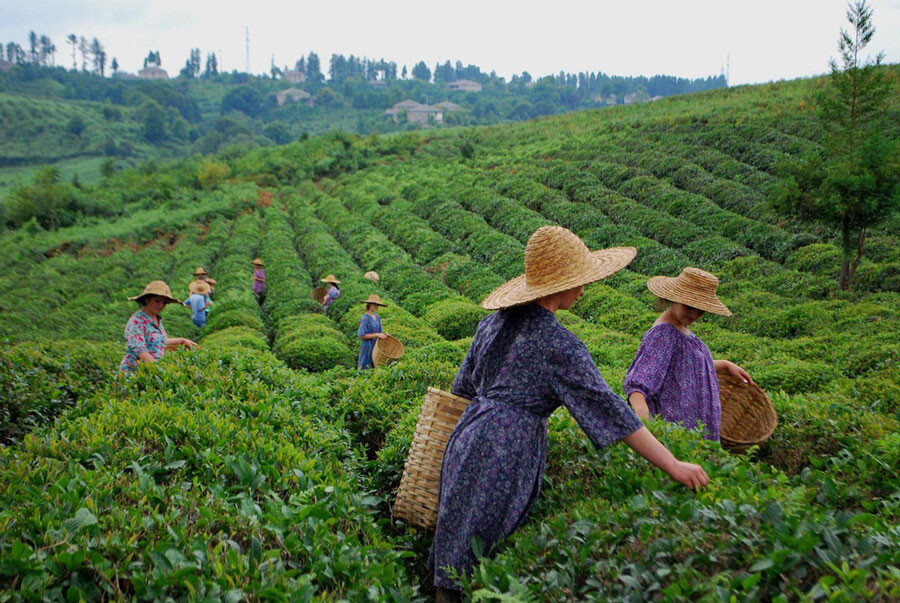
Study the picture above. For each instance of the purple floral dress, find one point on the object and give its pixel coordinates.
(333, 294)
(495, 458)
(675, 372)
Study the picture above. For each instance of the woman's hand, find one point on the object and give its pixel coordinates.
(189, 344)
(688, 474)
(381, 335)
(734, 370)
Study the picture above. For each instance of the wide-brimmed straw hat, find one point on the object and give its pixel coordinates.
(557, 260)
(374, 299)
(330, 279)
(159, 288)
(257, 262)
(199, 287)
(199, 271)
(693, 287)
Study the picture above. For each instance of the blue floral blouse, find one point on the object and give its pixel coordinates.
(367, 325)
(142, 335)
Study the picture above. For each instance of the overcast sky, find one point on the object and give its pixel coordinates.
(765, 39)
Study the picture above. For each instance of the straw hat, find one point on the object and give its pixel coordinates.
(372, 276)
(330, 279)
(257, 262)
(557, 260)
(157, 288)
(693, 287)
(374, 299)
(199, 271)
(199, 287)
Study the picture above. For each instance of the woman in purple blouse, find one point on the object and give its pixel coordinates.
(521, 366)
(673, 375)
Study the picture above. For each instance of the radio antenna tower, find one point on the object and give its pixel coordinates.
(248, 50)
(728, 70)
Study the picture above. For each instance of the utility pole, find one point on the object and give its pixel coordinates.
(248, 50)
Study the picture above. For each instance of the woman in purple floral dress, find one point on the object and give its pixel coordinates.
(522, 365)
(673, 374)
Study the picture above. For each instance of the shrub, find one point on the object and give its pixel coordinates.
(454, 319)
(236, 337)
(311, 342)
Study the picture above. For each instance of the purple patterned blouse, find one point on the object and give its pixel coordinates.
(495, 458)
(675, 373)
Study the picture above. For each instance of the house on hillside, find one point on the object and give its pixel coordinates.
(400, 107)
(293, 95)
(5, 65)
(293, 76)
(464, 85)
(416, 113)
(423, 114)
(448, 106)
(377, 84)
(153, 72)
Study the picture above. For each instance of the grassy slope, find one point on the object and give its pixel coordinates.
(428, 218)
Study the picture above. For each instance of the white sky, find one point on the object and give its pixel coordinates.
(766, 39)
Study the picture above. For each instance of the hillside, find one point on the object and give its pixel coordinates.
(264, 466)
(49, 115)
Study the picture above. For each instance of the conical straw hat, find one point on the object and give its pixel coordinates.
(693, 287)
(257, 262)
(557, 260)
(374, 299)
(372, 276)
(199, 271)
(199, 287)
(330, 279)
(157, 288)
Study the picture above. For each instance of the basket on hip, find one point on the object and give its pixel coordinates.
(417, 498)
(748, 416)
(387, 350)
(319, 294)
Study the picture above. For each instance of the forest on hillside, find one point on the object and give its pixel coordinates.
(94, 109)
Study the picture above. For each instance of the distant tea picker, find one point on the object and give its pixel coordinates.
(145, 337)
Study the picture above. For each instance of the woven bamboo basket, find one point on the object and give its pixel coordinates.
(417, 498)
(319, 294)
(387, 350)
(748, 416)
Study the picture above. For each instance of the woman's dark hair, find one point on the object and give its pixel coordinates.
(369, 305)
(662, 304)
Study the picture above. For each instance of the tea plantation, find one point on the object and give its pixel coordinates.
(264, 466)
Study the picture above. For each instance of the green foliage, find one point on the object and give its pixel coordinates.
(38, 381)
(211, 174)
(311, 341)
(853, 182)
(454, 319)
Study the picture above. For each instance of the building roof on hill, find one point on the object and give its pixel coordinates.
(448, 106)
(421, 108)
(5, 65)
(292, 95)
(294, 76)
(406, 104)
(153, 72)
